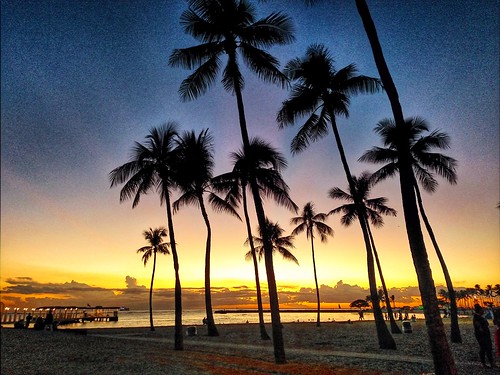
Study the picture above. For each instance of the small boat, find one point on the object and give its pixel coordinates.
(122, 308)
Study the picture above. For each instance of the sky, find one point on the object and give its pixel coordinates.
(82, 81)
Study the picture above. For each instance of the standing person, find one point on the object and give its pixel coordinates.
(49, 321)
(28, 320)
(483, 337)
(361, 315)
(496, 322)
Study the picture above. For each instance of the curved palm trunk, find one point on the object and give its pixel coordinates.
(394, 327)
(178, 337)
(278, 343)
(385, 339)
(318, 321)
(455, 335)
(212, 329)
(151, 294)
(262, 327)
(441, 353)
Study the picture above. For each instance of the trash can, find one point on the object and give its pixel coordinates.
(407, 326)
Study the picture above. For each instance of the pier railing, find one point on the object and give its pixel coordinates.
(62, 314)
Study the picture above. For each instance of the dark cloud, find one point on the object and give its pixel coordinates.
(26, 292)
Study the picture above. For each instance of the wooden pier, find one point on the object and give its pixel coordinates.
(62, 314)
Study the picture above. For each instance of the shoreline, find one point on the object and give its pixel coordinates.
(334, 347)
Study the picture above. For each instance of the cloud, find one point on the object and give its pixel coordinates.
(26, 292)
(131, 283)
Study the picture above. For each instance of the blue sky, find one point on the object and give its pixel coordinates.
(81, 81)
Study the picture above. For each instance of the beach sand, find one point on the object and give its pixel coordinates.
(333, 348)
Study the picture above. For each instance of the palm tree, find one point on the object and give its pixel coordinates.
(310, 221)
(228, 28)
(156, 246)
(150, 169)
(424, 163)
(440, 349)
(479, 293)
(372, 210)
(280, 243)
(318, 87)
(193, 174)
(263, 163)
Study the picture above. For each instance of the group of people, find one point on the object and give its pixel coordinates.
(40, 323)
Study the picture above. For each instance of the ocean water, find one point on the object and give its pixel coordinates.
(166, 318)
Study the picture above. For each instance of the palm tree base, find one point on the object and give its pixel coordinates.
(265, 336)
(213, 333)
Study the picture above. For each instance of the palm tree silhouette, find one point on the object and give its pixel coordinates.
(150, 169)
(372, 209)
(440, 349)
(310, 221)
(193, 174)
(229, 28)
(425, 163)
(156, 246)
(264, 164)
(318, 87)
(280, 243)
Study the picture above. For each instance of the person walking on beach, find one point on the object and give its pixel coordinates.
(361, 315)
(483, 337)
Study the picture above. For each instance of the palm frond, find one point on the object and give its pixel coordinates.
(324, 230)
(189, 198)
(221, 205)
(301, 227)
(191, 57)
(303, 101)
(196, 24)
(276, 28)
(337, 193)
(200, 80)
(263, 64)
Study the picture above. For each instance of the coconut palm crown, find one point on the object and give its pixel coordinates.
(320, 92)
(229, 27)
(280, 243)
(423, 160)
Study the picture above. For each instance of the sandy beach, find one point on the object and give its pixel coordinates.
(333, 348)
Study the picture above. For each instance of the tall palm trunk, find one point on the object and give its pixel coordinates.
(263, 332)
(212, 329)
(385, 340)
(455, 335)
(151, 293)
(394, 327)
(441, 353)
(278, 343)
(178, 337)
(318, 321)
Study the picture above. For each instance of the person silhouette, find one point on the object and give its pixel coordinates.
(28, 320)
(483, 337)
(49, 321)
